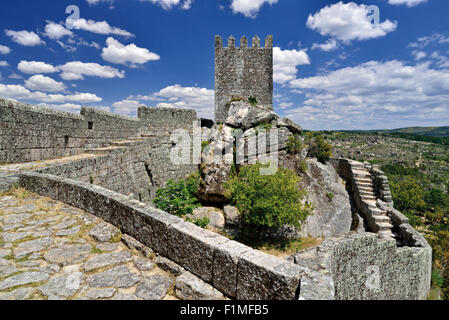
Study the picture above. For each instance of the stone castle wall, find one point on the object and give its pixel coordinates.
(242, 72)
(135, 168)
(30, 133)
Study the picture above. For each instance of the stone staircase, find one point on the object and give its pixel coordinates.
(113, 145)
(365, 189)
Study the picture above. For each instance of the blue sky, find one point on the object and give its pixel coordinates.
(333, 67)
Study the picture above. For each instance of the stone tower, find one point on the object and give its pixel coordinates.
(243, 72)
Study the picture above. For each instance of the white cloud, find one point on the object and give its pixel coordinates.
(15, 76)
(68, 107)
(187, 4)
(441, 60)
(95, 2)
(329, 45)
(285, 63)
(249, 8)
(126, 107)
(74, 42)
(409, 3)
(25, 38)
(35, 67)
(169, 4)
(285, 105)
(19, 92)
(99, 27)
(118, 53)
(347, 22)
(4, 49)
(375, 94)
(43, 83)
(76, 70)
(56, 31)
(419, 55)
(177, 96)
(83, 97)
(3, 63)
(434, 39)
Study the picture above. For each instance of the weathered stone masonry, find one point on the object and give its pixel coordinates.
(243, 72)
(135, 167)
(236, 270)
(30, 133)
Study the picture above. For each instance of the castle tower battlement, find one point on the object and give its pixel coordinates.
(243, 71)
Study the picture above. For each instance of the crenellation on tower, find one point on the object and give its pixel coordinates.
(256, 42)
(218, 42)
(231, 42)
(243, 42)
(269, 41)
(243, 72)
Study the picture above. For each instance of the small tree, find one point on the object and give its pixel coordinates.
(179, 198)
(318, 148)
(268, 201)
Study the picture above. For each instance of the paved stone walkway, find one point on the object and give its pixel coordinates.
(49, 250)
(33, 165)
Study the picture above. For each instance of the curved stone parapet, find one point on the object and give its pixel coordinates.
(236, 270)
(364, 267)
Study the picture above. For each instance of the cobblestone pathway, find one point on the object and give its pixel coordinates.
(49, 250)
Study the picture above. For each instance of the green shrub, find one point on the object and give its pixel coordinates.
(268, 201)
(437, 278)
(330, 196)
(203, 223)
(234, 99)
(408, 195)
(303, 166)
(318, 148)
(179, 198)
(252, 101)
(294, 144)
(204, 145)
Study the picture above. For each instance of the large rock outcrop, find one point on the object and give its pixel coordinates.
(332, 215)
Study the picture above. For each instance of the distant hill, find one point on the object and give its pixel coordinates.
(421, 131)
(437, 132)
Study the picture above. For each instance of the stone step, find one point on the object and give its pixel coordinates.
(381, 219)
(122, 144)
(395, 235)
(91, 146)
(366, 193)
(385, 234)
(371, 204)
(361, 174)
(363, 180)
(366, 188)
(364, 185)
(377, 212)
(365, 197)
(355, 164)
(384, 226)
